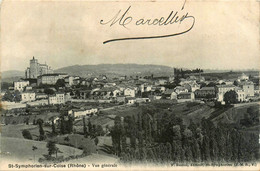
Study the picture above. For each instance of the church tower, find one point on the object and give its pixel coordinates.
(34, 68)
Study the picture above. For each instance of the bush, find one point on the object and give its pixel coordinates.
(27, 134)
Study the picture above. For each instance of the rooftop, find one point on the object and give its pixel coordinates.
(208, 88)
(224, 86)
(246, 83)
(185, 93)
(54, 74)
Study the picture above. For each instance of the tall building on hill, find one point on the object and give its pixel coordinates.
(36, 69)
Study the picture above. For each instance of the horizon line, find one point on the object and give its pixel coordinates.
(220, 69)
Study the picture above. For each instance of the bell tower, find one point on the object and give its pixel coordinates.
(34, 68)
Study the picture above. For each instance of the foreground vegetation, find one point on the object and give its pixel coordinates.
(164, 138)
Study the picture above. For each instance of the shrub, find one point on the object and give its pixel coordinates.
(27, 134)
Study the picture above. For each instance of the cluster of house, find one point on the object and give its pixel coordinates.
(76, 113)
(125, 89)
(134, 90)
(131, 90)
(38, 97)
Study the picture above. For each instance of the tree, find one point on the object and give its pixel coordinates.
(196, 150)
(62, 125)
(203, 84)
(51, 146)
(235, 83)
(60, 83)
(49, 91)
(41, 131)
(26, 120)
(5, 85)
(90, 128)
(168, 147)
(8, 96)
(53, 127)
(150, 155)
(27, 134)
(230, 97)
(99, 130)
(34, 122)
(96, 140)
(177, 80)
(17, 96)
(116, 134)
(206, 149)
(192, 126)
(123, 138)
(84, 127)
(188, 153)
(69, 125)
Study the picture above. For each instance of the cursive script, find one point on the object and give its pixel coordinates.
(125, 19)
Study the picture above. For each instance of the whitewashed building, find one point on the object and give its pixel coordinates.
(20, 85)
(129, 92)
(222, 89)
(76, 113)
(241, 97)
(58, 98)
(28, 96)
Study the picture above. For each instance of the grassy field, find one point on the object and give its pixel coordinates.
(70, 144)
(187, 111)
(97, 159)
(77, 141)
(235, 114)
(16, 130)
(21, 149)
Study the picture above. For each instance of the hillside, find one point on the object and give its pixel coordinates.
(12, 73)
(116, 69)
(11, 76)
(11, 151)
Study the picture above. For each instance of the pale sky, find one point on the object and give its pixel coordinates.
(225, 34)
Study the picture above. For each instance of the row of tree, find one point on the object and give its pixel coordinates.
(92, 131)
(181, 72)
(153, 138)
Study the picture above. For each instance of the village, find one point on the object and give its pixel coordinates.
(42, 87)
(80, 112)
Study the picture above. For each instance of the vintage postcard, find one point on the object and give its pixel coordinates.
(140, 85)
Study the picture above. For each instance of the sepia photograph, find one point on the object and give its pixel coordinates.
(129, 84)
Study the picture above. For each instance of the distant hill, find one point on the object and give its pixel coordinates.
(11, 76)
(12, 73)
(116, 70)
(113, 70)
